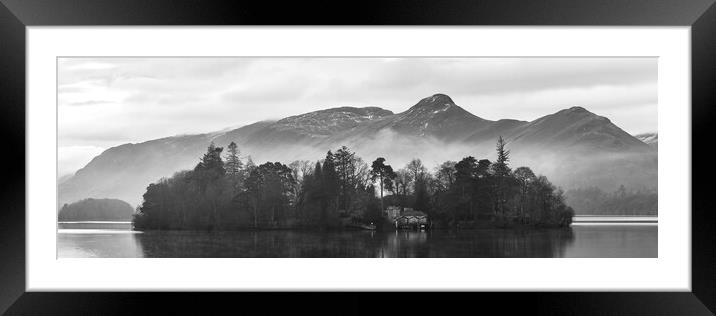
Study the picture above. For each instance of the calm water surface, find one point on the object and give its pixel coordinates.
(115, 240)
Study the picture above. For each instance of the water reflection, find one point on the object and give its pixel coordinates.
(582, 241)
(98, 243)
(479, 244)
(404, 244)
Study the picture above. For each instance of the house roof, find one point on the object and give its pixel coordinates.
(413, 213)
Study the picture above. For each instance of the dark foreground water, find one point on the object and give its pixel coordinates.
(593, 241)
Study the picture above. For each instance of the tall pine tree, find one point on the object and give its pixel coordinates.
(330, 182)
(233, 163)
(502, 172)
(384, 174)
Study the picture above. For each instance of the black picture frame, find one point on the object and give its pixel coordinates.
(15, 15)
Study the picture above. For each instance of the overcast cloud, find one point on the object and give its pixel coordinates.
(104, 102)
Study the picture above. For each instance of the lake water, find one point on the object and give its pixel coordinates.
(591, 239)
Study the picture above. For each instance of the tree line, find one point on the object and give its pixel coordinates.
(96, 210)
(341, 189)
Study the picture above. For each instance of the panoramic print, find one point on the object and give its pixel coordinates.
(326, 157)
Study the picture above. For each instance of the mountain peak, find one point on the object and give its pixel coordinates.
(576, 126)
(578, 112)
(434, 104)
(440, 97)
(437, 99)
(437, 115)
(575, 110)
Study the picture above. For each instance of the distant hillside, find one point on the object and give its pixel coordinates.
(96, 210)
(573, 147)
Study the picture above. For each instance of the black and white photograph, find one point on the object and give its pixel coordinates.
(535, 157)
(357, 157)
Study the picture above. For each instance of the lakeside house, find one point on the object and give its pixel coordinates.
(407, 218)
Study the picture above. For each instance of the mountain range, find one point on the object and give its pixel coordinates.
(573, 147)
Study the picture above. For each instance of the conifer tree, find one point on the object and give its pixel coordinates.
(502, 172)
(233, 162)
(384, 174)
(503, 157)
(330, 181)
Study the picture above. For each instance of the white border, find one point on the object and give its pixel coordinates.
(670, 271)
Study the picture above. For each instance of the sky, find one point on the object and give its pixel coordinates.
(105, 102)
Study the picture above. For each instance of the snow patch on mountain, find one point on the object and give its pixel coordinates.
(326, 122)
(651, 139)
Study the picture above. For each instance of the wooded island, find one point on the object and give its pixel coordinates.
(342, 190)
